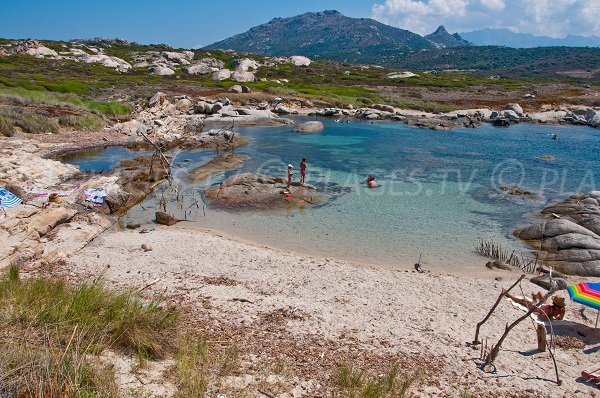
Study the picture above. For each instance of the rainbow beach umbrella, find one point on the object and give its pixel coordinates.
(587, 293)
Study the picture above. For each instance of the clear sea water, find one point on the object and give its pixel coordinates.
(438, 190)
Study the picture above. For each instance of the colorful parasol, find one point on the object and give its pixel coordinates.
(8, 199)
(587, 293)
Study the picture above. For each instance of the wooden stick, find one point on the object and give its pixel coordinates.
(148, 285)
(265, 393)
(503, 294)
(496, 348)
(69, 343)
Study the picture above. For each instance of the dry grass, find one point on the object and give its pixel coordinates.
(357, 383)
(51, 333)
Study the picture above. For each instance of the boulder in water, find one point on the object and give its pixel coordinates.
(309, 127)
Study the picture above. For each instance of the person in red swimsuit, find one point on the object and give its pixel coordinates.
(302, 170)
(554, 311)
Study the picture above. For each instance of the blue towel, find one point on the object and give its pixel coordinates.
(8, 199)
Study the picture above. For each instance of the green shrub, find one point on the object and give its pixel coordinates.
(113, 108)
(27, 121)
(6, 127)
(80, 122)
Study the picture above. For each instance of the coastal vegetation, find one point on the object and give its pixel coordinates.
(55, 336)
(52, 332)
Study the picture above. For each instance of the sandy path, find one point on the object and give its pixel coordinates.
(388, 311)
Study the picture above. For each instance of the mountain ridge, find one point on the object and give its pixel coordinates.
(507, 38)
(331, 35)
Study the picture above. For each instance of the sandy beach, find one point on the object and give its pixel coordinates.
(397, 313)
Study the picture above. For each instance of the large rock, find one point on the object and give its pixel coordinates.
(236, 89)
(592, 116)
(34, 48)
(245, 65)
(222, 74)
(511, 115)
(383, 107)
(199, 69)
(157, 99)
(552, 228)
(161, 70)
(309, 127)
(178, 58)
(183, 105)
(299, 60)
(569, 239)
(111, 62)
(165, 219)
(242, 77)
(255, 191)
(515, 108)
(267, 114)
(401, 75)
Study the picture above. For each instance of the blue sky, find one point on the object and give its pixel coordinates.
(180, 23)
(187, 23)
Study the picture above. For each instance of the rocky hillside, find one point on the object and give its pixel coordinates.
(328, 35)
(443, 39)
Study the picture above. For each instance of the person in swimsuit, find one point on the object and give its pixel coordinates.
(554, 311)
(371, 183)
(290, 174)
(302, 170)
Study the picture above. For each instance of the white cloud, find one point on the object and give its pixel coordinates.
(555, 18)
(494, 5)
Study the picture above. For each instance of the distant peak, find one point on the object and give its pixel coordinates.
(441, 29)
(331, 12)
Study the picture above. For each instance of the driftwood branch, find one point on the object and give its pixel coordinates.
(161, 155)
(496, 348)
(503, 294)
(147, 286)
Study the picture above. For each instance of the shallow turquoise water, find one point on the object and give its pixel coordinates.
(438, 189)
(98, 160)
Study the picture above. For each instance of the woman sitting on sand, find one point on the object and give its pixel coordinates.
(554, 311)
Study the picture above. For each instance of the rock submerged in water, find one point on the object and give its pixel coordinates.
(219, 164)
(569, 238)
(248, 191)
(165, 219)
(309, 127)
(516, 191)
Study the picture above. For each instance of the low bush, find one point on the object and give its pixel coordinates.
(52, 332)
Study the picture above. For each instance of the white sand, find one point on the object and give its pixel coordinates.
(386, 310)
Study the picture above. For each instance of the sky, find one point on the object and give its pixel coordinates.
(190, 24)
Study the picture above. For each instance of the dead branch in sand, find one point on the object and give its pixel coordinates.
(491, 357)
(154, 282)
(503, 294)
(159, 153)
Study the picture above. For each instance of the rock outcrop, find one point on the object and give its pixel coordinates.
(220, 164)
(222, 74)
(160, 70)
(111, 62)
(299, 60)
(515, 108)
(569, 238)
(309, 127)
(249, 191)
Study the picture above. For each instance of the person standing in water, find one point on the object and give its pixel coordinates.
(302, 171)
(290, 174)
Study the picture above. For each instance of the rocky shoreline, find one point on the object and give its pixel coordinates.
(569, 237)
